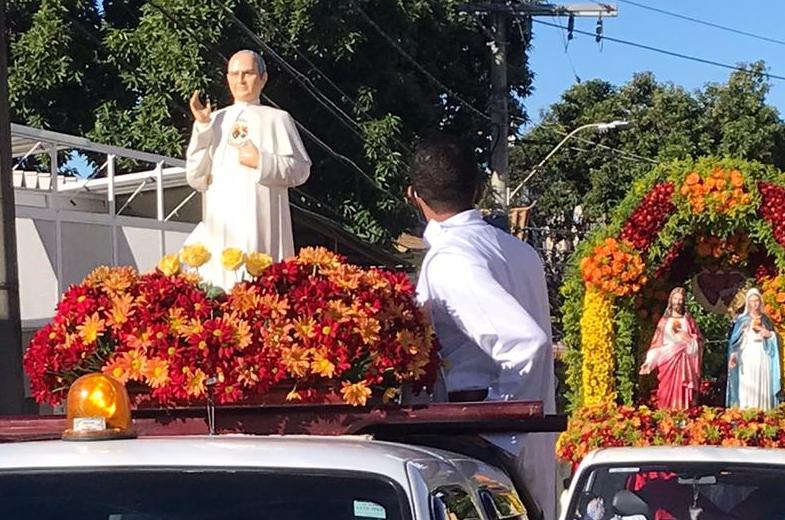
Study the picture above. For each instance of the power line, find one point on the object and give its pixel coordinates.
(661, 51)
(344, 96)
(704, 22)
(418, 66)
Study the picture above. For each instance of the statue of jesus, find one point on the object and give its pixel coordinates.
(675, 353)
(244, 158)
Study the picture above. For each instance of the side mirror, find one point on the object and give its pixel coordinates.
(627, 503)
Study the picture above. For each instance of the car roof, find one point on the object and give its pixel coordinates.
(673, 454)
(347, 453)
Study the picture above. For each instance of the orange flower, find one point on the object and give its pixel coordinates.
(91, 329)
(356, 394)
(194, 382)
(136, 363)
(156, 372)
(117, 368)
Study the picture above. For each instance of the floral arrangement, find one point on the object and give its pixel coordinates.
(648, 218)
(597, 338)
(772, 208)
(608, 425)
(680, 218)
(309, 321)
(773, 292)
(614, 267)
(732, 251)
(719, 191)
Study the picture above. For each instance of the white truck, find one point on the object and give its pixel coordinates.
(689, 483)
(253, 477)
(255, 462)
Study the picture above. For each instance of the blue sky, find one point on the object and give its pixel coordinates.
(617, 63)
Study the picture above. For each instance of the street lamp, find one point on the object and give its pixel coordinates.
(601, 127)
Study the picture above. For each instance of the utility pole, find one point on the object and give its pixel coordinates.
(499, 13)
(11, 382)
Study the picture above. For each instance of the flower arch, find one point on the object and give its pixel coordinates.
(712, 216)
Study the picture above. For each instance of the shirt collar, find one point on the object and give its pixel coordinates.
(244, 104)
(434, 231)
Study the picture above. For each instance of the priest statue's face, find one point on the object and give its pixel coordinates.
(246, 76)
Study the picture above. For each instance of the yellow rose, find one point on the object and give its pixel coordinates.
(256, 263)
(195, 255)
(169, 265)
(232, 258)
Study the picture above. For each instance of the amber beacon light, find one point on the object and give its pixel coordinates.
(98, 408)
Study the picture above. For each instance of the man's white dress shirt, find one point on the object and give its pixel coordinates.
(486, 293)
(247, 208)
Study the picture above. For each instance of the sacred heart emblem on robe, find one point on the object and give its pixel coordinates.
(239, 133)
(716, 290)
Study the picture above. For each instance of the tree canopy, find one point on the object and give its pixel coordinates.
(666, 122)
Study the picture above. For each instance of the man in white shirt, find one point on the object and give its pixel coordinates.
(486, 293)
(244, 158)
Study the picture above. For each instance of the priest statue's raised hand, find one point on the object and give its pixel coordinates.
(244, 158)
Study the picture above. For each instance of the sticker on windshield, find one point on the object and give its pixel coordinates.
(624, 470)
(363, 509)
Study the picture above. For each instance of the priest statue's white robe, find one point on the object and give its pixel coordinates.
(246, 208)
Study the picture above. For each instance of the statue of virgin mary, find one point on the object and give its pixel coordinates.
(753, 358)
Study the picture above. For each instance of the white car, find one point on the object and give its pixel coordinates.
(690, 483)
(248, 477)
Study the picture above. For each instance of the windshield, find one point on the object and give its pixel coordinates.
(690, 491)
(198, 494)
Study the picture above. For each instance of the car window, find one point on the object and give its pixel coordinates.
(501, 503)
(705, 490)
(199, 494)
(453, 503)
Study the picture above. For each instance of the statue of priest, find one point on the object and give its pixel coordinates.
(244, 158)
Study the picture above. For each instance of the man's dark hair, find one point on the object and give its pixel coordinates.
(445, 175)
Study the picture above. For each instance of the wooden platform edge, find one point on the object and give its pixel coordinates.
(318, 419)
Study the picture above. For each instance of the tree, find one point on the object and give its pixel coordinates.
(135, 63)
(666, 122)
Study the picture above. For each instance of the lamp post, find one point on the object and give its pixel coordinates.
(601, 127)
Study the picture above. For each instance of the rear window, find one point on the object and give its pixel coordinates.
(198, 494)
(706, 491)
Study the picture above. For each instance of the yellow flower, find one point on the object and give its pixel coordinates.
(323, 367)
(156, 372)
(194, 383)
(91, 329)
(597, 347)
(195, 255)
(256, 263)
(232, 258)
(294, 395)
(355, 394)
(169, 265)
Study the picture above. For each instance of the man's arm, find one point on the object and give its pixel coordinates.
(493, 319)
(198, 157)
(285, 170)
